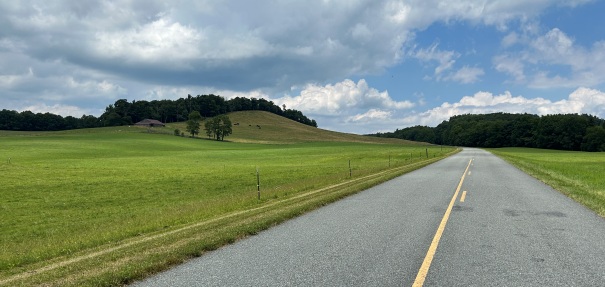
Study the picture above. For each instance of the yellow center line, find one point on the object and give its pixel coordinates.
(426, 264)
(463, 196)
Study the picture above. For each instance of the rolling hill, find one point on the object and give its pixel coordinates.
(267, 128)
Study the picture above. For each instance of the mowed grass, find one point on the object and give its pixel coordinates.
(70, 194)
(579, 175)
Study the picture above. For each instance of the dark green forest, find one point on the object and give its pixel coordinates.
(123, 112)
(561, 132)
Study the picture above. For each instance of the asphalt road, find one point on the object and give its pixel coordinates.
(510, 230)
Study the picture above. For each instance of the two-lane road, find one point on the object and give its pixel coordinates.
(510, 230)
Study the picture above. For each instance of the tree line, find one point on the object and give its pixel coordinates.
(562, 131)
(123, 112)
(28, 121)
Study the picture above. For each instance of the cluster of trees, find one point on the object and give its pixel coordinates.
(563, 132)
(123, 112)
(28, 121)
(217, 127)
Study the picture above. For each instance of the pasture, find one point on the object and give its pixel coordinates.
(106, 206)
(579, 175)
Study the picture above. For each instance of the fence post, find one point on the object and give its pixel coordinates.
(258, 182)
(350, 171)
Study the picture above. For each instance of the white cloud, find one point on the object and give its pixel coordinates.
(173, 93)
(341, 99)
(371, 115)
(555, 46)
(397, 12)
(346, 106)
(590, 101)
(161, 40)
(446, 59)
(553, 60)
(57, 109)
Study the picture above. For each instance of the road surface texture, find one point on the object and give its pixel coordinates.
(499, 227)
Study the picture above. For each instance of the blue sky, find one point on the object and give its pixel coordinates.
(353, 66)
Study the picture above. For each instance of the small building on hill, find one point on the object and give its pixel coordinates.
(150, 123)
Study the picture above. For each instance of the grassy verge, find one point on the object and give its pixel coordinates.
(579, 175)
(104, 207)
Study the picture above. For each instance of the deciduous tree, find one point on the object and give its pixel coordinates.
(219, 127)
(193, 124)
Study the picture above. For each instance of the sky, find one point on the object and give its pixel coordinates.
(354, 66)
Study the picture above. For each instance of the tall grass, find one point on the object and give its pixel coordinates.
(579, 175)
(68, 192)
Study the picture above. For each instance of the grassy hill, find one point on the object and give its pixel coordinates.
(258, 127)
(265, 127)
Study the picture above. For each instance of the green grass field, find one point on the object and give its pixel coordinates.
(106, 206)
(579, 175)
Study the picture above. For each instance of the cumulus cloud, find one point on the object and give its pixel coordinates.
(341, 98)
(346, 106)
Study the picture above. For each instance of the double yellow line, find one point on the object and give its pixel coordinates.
(426, 264)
